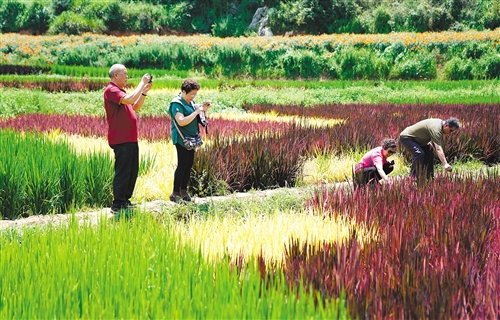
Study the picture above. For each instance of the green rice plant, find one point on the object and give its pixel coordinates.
(138, 268)
(146, 163)
(98, 175)
(39, 176)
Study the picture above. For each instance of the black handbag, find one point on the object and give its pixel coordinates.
(190, 143)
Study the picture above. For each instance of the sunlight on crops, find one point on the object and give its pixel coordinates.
(158, 183)
(329, 168)
(155, 184)
(270, 116)
(265, 234)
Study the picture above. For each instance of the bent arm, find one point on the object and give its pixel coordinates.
(442, 157)
(183, 120)
(136, 97)
(440, 154)
(381, 172)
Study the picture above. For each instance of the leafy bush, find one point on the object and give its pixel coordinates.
(37, 18)
(381, 21)
(302, 63)
(475, 50)
(357, 64)
(11, 15)
(458, 69)
(415, 65)
(20, 70)
(69, 22)
(488, 67)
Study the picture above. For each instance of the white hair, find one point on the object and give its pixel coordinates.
(116, 68)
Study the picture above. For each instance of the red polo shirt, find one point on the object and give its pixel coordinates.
(121, 118)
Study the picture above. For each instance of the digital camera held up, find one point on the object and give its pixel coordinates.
(202, 118)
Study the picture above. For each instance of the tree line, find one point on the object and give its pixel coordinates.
(223, 18)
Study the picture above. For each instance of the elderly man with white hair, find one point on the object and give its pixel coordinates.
(122, 132)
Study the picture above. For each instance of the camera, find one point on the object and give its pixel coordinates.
(202, 117)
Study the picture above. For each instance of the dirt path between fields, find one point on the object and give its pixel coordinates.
(156, 206)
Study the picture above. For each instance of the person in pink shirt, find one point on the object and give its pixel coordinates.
(120, 109)
(374, 166)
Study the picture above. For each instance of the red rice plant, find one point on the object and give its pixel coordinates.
(368, 124)
(84, 85)
(437, 254)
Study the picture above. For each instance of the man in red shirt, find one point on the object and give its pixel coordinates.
(122, 133)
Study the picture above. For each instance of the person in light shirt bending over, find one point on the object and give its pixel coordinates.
(424, 138)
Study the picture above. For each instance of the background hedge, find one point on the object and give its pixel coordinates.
(232, 18)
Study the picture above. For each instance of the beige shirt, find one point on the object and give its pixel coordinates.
(425, 131)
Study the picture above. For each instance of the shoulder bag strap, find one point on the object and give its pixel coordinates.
(179, 131)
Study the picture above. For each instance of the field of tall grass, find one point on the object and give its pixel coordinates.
(313, 249)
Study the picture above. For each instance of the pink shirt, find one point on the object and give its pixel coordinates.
(121, 118)
(371, 159)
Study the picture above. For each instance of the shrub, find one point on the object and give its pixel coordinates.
(356, 63)
(488, 67)
(418, 18)
(415, 65)
(71, 23)
(475, 50)
(458, 69)
(381, 21)
(37, 18)
(11, 14)
(440, 19)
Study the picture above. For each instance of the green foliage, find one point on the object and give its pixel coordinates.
(223, 18)
(11, 15)
(381, 21)
(302, 64)
(140, 268)
(38, 176)
(488, 67)
(415, 65)
(458, 69)
(37, 18)
(69, 22)
(358, 64)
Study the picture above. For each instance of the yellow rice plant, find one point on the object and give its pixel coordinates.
(266, 235)
(330, 168)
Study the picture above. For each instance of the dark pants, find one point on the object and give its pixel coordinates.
(126, 171)
(370, 175)
(185, 160)
(422, 159)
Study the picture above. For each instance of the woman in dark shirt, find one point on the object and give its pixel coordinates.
(185, 113)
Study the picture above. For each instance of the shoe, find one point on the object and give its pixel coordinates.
(131, 205)
(175, 198)
(116, 210)
(185, 196)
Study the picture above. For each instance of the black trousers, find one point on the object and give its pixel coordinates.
(185, 160)
(422, 159)
(370, 175)
(126, 171)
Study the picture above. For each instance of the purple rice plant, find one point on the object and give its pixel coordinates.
(85, 85)
(436, 254)
(260, 161)
(477, 139)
